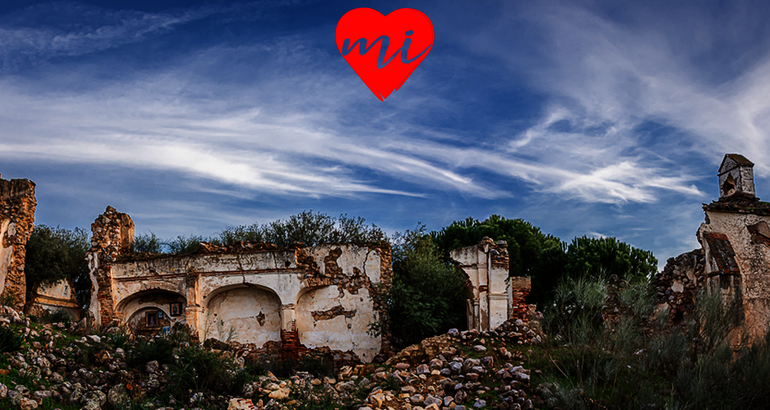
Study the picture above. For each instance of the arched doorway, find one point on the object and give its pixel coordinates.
(152, 311)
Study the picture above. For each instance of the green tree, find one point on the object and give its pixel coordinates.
(57, 253)
(427, 296)
(531, 252)
(603, 257)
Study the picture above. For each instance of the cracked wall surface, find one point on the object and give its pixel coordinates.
(17, 219)
(250, 293)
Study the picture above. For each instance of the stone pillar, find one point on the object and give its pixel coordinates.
(486, 266)
(17, 219)
(194, 310)
(193, 317)
(112, 233)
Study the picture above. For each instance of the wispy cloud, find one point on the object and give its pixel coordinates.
(79, 29)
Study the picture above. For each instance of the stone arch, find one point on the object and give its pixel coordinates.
(149, 311)
(242, 313)
(150, 287)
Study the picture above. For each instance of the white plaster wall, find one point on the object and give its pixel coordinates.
(6, 255)
(747, 180)
(753, 261)
(238, 309)
(339, 333)
(94, 306)
(261, 261)
(365, 259)
(58, 290)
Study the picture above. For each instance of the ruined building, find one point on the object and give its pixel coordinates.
(493, 296)
(734, 258)
(250, 293)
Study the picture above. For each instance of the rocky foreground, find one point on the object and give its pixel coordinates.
(56, 368)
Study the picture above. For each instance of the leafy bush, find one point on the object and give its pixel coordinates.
(144, 351)
(427, 296)
(196, 369)
(10, 341)
(184, 245)
(604, 257)
(57, 316)
(309, 228)
(147, 243)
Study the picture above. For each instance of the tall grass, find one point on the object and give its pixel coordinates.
(636, 364)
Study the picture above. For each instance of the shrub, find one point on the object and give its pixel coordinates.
(309, 228)
(57, 253)
(57, 316)
(10, 341)
(196, 369)
(144, 351)
(427, 295)
(147, 243)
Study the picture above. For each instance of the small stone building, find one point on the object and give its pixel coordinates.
(734, 258)
(736, 244)
(493, 296)
(250, 293)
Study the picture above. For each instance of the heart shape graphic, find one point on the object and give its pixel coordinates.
(384, 50)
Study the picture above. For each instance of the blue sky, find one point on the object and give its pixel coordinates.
(584, 118)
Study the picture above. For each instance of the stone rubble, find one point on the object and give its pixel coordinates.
(443, 372)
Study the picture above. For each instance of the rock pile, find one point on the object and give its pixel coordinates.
(458, 370)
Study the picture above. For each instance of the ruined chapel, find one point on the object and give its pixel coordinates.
(734, 258)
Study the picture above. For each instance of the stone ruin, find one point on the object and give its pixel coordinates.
(17, 219)
(493, 296)
(302, 297)
(734, 258)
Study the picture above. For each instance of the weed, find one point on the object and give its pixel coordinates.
(197, 369)
(10, 340)
(144, 351)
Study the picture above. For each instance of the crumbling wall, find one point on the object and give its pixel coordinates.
(337, 311)
(677, 286)
(250, 293)
(112, 233)
(493, 296)
(738, 264)
(519, 288)
(17, 219)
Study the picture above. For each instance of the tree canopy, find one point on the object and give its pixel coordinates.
(57, 253)
(546, 258)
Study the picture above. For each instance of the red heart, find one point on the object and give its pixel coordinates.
(384, 50)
